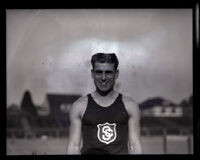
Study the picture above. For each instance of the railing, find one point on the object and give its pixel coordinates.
(151, 131)
(38, 133)
(64, 132)
(166, 135)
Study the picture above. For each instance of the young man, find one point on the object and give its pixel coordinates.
(105, 121)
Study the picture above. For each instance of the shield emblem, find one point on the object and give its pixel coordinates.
(106, 132)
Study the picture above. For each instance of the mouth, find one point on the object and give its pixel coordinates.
(103, 84)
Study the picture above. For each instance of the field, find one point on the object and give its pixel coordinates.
(55, 146)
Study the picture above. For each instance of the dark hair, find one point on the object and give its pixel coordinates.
(105, 58)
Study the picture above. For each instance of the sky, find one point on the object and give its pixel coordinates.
(49, 51)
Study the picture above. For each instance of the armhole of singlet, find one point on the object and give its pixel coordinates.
(121, 97)
(88, 97)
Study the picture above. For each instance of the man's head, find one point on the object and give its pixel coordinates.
(104, 71)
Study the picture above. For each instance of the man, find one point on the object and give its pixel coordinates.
(105, 121)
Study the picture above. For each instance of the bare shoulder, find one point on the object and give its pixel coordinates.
(130, 105)
(80, 101)
(129, 101)
(79, 106)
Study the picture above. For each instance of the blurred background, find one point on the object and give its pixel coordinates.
(48, 54)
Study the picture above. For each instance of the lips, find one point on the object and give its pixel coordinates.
(103, 83)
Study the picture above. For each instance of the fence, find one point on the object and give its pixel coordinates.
(168, 136)
(38, 133)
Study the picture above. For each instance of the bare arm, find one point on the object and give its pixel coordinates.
(74, 144)
(134, 141)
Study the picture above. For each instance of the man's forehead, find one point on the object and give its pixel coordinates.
(104, 66)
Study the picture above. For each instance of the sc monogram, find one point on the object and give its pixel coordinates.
(106, 132)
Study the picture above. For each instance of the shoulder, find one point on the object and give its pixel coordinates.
(131, 106)
(79, 105)
(129, 101)
(80, 101)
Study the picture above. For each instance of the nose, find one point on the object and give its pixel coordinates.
(103, 76)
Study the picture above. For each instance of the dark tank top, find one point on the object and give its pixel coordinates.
(105, 129)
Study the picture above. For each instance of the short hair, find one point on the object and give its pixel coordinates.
(105, 58)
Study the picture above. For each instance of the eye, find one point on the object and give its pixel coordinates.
(98, 72)
(109, 72)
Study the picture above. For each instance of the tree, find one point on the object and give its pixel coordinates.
(27, 104)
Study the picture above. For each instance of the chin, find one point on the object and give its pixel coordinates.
(104, 90)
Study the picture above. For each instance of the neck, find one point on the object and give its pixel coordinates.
(103, 94)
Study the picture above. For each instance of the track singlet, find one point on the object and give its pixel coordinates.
(105, 129)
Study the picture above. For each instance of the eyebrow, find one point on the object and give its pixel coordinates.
(107, 71)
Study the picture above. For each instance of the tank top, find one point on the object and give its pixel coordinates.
(105, 129)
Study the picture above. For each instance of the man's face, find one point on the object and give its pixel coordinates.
(104, 75)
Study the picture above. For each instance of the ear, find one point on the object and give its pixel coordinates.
(116, 74)
(92, 73)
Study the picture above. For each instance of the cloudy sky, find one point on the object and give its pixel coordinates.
(49, 51)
